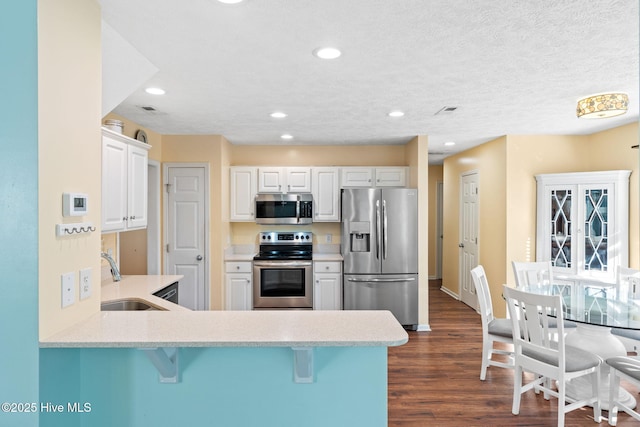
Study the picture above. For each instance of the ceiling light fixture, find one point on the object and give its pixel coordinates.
(155, 91)
(229, 1)
(396, 114)
(286, 136)
(278, 115)
(449, 143)
(327, 53)
(602, 105)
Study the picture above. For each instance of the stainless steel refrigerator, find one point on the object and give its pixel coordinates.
(380, 250)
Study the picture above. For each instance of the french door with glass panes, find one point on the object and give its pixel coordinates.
(582, 222)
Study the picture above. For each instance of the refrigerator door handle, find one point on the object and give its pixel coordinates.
(384, 229)
(378, 229)
(410, 279)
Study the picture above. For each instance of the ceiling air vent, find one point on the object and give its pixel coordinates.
(148, 108)
(447, 110)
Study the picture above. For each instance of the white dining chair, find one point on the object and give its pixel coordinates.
(532, 273)
(628, 287)
(537, 273)
(549, 359)
(493, 329)
(627, 368)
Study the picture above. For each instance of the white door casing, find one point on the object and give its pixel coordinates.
(186, 225)
(469, 221)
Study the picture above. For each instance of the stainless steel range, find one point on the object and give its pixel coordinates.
(283, 271)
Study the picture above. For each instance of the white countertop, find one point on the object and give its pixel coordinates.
(141, 287)
(181, 327)
(283, 328)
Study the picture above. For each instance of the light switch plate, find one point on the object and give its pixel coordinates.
(85, 283)
(68, 289)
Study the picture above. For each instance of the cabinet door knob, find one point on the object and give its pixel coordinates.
(199, 257)
(237, 267)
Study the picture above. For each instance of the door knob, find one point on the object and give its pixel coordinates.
(461, 245)
(199, 257)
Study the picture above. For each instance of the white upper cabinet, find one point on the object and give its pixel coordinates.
(124, 182)
(357, 177)
(284, 180)
(325, 188)
(582, 222)
(391, 176)
(298, 180)
(243, 190)
(382, 176)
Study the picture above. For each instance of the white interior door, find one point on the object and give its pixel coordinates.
(469, 184)
(185, 238)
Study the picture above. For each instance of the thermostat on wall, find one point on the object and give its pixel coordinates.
(75, 204)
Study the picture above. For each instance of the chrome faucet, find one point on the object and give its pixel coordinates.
(114, 268)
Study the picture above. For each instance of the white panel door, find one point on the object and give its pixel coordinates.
(186, 233)
(468, 237)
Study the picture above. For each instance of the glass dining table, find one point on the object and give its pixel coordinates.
(595, 309)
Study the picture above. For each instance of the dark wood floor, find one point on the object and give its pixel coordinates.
(434, 379)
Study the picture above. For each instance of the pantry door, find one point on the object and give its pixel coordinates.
(185, 245)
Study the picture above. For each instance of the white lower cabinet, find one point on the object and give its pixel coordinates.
(238, 286)
(327, 288)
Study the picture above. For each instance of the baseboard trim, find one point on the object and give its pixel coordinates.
(423, 328)
(450, 292)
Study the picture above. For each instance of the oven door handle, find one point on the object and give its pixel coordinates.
(282, 263)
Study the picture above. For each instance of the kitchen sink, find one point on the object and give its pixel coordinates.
(128, 305)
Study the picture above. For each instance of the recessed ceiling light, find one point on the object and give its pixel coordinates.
(286, 136)
(396, 114)
(327, 53)
(450, 143)
(230, 1)
(278, 115)
(155, 91)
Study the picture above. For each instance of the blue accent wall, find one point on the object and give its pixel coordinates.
(220, 387)
(19, 209)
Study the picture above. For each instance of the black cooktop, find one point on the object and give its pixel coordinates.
(285, 246)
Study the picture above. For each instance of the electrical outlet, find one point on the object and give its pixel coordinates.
(85, 283)
(68, 289)
(327, 238)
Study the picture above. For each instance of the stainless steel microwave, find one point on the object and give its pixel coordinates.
(284, 209)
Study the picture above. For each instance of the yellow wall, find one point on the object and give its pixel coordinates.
(69, 150)
(489, 160)
(527, 157)
(435, 176)
(318, 155)
(611, 150)
(508, 195)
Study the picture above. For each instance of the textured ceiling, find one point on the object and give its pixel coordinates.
(509, 66)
